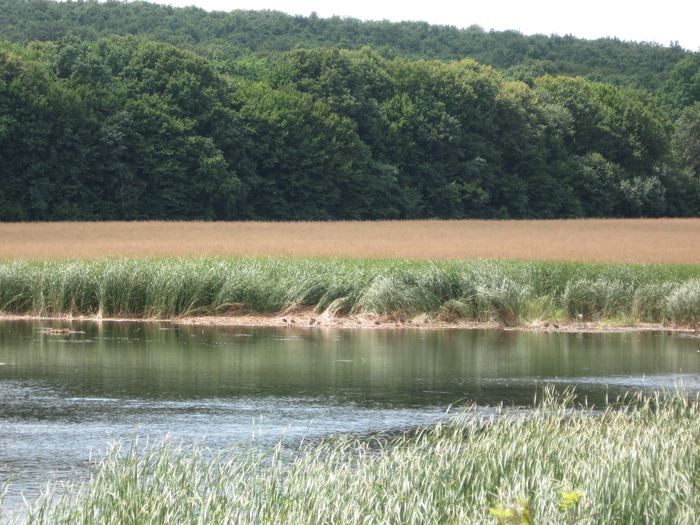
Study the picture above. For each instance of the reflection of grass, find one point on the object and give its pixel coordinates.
(508, 292)
(636, 462)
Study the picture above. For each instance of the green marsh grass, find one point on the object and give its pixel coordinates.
(635, 462)
(507, 292)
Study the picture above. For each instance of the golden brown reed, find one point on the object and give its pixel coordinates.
(629, 241)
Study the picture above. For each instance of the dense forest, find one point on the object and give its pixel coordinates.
(132, 111)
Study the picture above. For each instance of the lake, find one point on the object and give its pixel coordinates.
(65, 397)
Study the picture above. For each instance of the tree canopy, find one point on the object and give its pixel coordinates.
(135, 111)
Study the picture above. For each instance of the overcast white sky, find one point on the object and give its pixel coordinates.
(660, 21)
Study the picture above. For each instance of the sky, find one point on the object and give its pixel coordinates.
(662, 22)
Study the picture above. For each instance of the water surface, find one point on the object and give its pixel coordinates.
(65, 397)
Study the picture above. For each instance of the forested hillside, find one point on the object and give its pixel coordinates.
(138, 111)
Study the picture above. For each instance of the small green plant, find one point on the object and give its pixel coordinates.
(570, 505)
(518, 513)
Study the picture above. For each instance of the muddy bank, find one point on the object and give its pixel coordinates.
(310, 320)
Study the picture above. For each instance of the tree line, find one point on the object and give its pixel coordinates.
(224, 36)
(125, 128)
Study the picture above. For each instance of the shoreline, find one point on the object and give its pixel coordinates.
(309, 320)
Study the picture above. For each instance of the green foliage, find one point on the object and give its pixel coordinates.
(308, 162)
(507, 293)
(505, 299)
(687, 138)
(630, 462)
(592, 300)
(683, 302)
(621, 124)
(137, 111)
(682, 89)
(516, 513)
(520, 513)
(237, 34)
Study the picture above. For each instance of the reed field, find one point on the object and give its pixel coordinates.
(623, 241)
(509, 293)
(633, 462)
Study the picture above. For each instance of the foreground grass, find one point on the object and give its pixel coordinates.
(636, 463)
(508, 292)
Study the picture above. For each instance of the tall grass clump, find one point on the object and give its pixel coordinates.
(505, 299)
(633, 462)
(683, 303)
(650, 302)
(506, 292)
(601, 298)
(413, 289)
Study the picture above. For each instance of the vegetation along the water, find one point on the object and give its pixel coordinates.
(635, 461)
(510, 293)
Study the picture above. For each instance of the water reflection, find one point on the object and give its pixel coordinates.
(64, 395)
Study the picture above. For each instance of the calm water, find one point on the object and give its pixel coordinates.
(63, 397)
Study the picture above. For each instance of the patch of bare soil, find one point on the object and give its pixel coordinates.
(310, 320)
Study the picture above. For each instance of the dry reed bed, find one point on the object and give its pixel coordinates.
(632, 463)
(626, 241)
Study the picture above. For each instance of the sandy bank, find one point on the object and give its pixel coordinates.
(309, 320)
